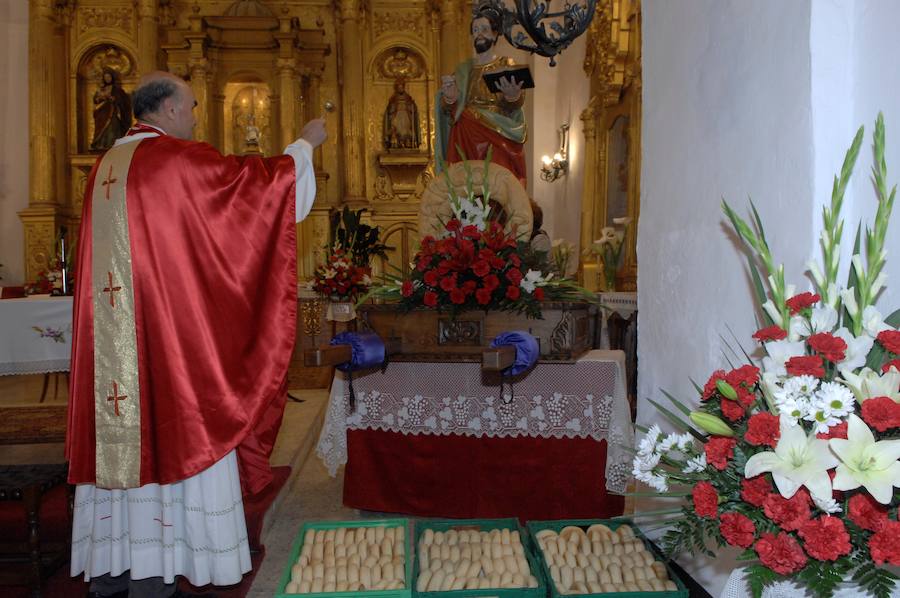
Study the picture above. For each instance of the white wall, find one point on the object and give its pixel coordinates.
(727, 114)
(13, 136)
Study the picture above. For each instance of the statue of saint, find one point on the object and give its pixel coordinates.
(112, 111)
(469, 116)
(401, 119)
(251, 139)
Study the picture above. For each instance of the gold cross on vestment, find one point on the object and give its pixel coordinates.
(116, 397)
(111, 289)
(109, 181)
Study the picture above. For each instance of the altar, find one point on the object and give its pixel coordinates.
(439, 439)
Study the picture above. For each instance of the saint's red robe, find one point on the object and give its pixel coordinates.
(213, 250)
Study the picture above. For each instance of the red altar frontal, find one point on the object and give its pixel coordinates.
(440, 439)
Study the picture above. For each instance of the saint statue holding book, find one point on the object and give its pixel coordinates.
(480, 105)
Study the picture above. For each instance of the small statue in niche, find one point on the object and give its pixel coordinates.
(401, 119)
(112, 111)
(252, 137)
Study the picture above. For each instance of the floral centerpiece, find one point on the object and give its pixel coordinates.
(345, 274)
(794, 457)
(476, 264)
(608, 250)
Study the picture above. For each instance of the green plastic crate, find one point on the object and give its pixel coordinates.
(324, 525)
(481, 525)
(535, 526)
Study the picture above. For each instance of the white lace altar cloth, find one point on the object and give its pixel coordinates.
(585, 399)
(737, 587)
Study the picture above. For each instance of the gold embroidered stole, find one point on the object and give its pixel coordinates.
(117, 396)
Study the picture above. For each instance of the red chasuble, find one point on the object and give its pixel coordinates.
(212, 244)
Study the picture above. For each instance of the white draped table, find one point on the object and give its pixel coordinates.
(35, 335)
(584, 399)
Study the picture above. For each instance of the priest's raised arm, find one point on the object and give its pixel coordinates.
(184, 323)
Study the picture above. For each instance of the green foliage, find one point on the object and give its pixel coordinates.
(689, 535)
(823, 577)
(875, 580)
(759, 577)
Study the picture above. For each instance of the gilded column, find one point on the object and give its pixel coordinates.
(591, 170)
(313, 109)
(198, 67)
(450, 32)
(148, 35)
(353, 121)
(47, 141)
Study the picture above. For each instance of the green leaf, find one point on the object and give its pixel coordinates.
(760, 576)
(677, 421)
(681, 406)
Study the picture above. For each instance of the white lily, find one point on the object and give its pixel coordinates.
(869, 384)
(858, 348)
(873, 322)
(798, 460)
(822, 319)
(865, 462)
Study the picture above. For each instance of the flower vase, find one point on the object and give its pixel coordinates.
(609, 279)
(340, 311)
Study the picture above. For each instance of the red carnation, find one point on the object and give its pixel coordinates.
(483, 296)
(788, 513)
(835, 431)
(763, 429)
(866, 512)
(448, 283)
(471, 232)
(491, 282)
(895, 363)
(453, 225)
(539, 294)
(884, 545)
(797, 303)
(706, 500)
(458, 296)
(732, 410)
(890, 340)
(514, 259)
(825, 538)
(881, 413)
(513, 292)
(431, 278)
(782, 553)
(770, 333)
(430, 299)
(808, 365)
(737, 529)
(832, 348)
(423, 263)
(748, 375)
(469, 287)
(709, 389)
(745, 397)
(514, 275)
(406, 289)
(481, 268)
(719, 450)
(755, 490)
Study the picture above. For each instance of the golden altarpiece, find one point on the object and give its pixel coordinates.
(259, 69)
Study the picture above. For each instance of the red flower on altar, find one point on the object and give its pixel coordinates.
(890, 340)
(431, 278)
(825, 538)
(798, 303)
(732, 410)
(719, 449)
(457, 296)
(491, 282)
(448, 283)
(539, 294)
(737, 529)
(514, 275)
(430, 298)
(706, 500)
(835, 431)
(866, 512)
(807, 365)
(894, 363)
(481, 268)
(884, 545)
(830, 347)
(406, 288)
(483, 296)
(770, 333)
(471, 232)
(709, 389)
(788, 513)
(881, 413)
(747, 375)
(513, 293)
(763, 429)
(453, 225)
(782, 553)
(755, 490)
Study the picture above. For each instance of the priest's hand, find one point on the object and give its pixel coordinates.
(314, 132)
(510, 88)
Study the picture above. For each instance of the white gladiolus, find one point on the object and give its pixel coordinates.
(858, 348)
(779, 352)
(848, 296)
(858, 266)
(823, 319)
(879, 283)
(772, 311)
(816, 272)
(873, 322)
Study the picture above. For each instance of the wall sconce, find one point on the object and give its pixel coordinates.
(558, 165)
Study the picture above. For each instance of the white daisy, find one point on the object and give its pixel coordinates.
(835, 398)
(695, 465)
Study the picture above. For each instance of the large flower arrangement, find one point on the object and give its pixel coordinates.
(795, 459)
(476, 264)
(340, 279)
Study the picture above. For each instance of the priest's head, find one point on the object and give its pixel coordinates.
(163, 100)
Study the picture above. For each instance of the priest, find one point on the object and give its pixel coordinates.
(184, 323)
(471, 118)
